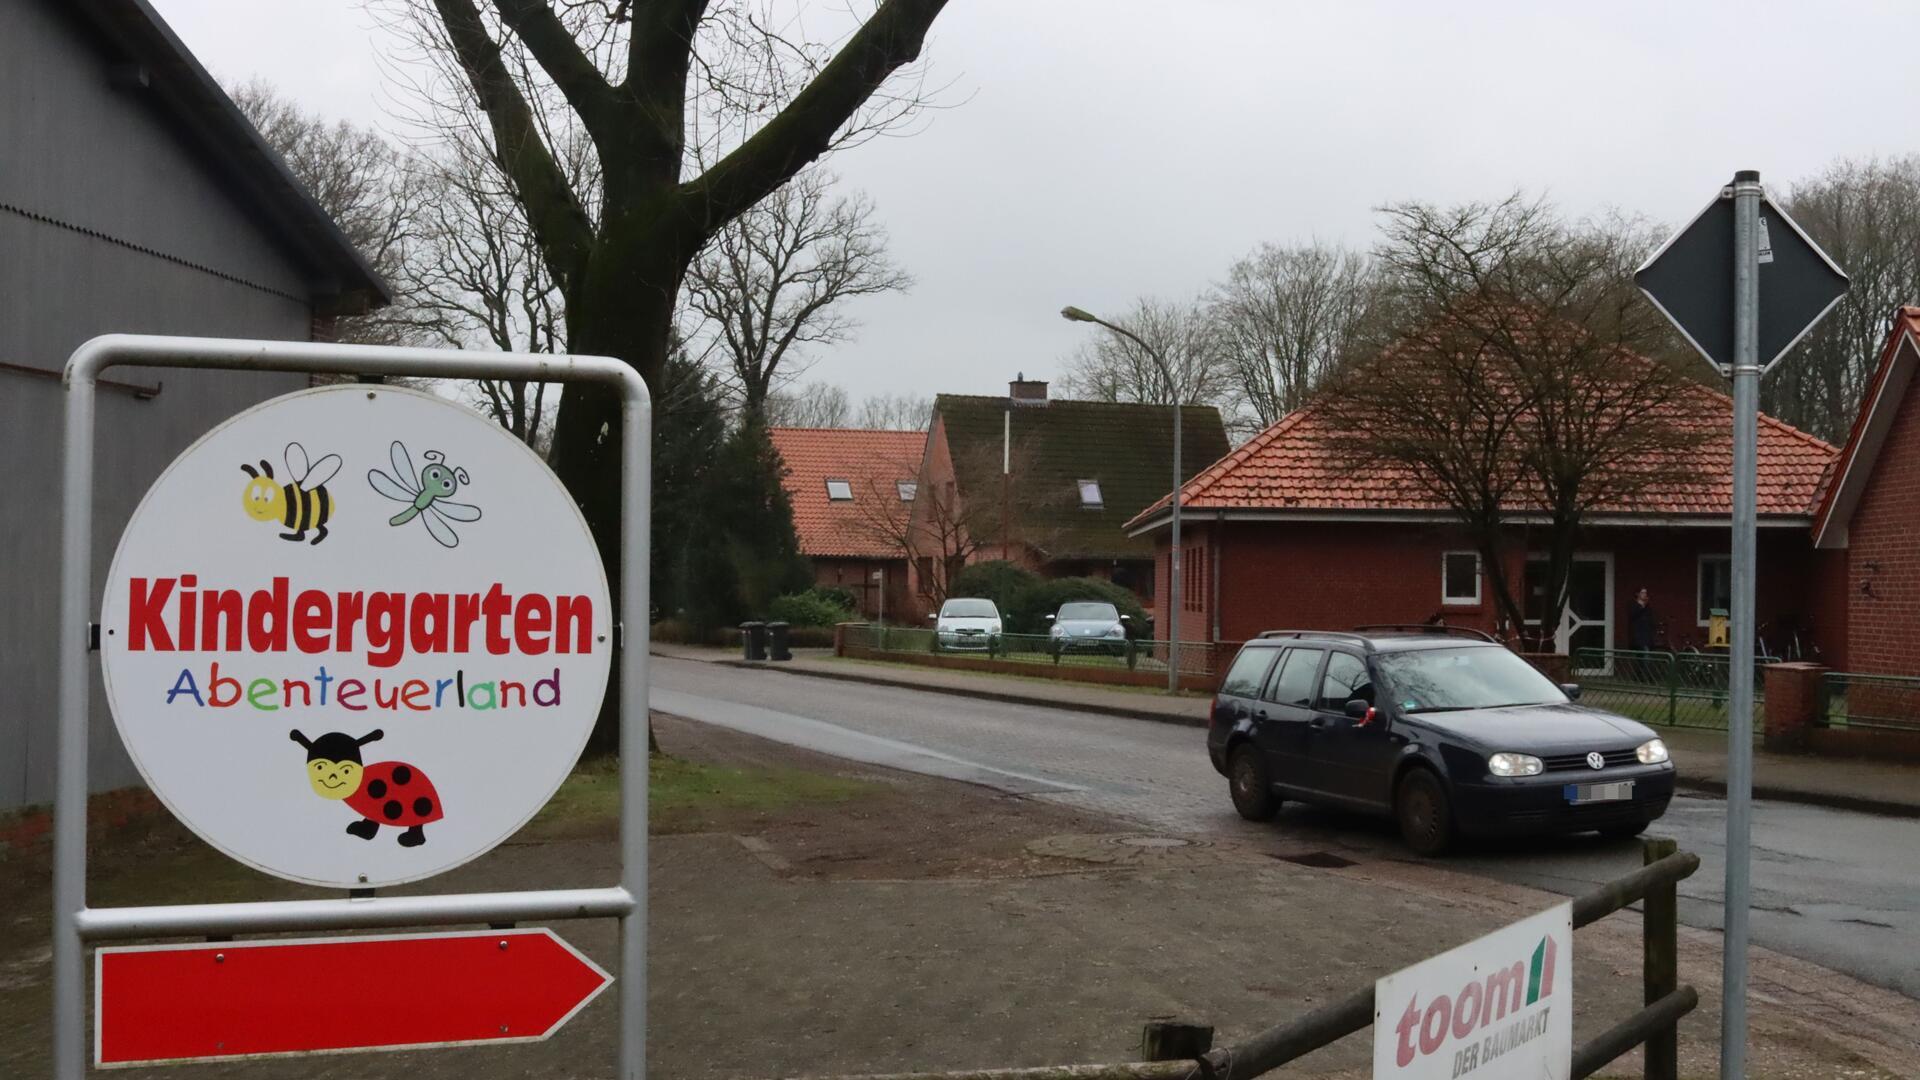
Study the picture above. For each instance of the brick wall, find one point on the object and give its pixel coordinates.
(1883, 556)
(1332, 576)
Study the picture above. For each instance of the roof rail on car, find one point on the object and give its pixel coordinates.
(1427, 628)
(1314, 633)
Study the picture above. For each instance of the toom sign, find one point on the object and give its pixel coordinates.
(356, 636)
(1500, 1008)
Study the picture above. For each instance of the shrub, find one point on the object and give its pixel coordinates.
(997, 580)
(836, 595)
(810, 608)
(1033, 604)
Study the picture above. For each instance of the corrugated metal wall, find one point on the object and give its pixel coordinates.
(108, 222)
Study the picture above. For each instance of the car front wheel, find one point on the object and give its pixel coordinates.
(1251, 785)
(1425, 817)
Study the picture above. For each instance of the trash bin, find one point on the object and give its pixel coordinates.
(753, 640)
(777, 642)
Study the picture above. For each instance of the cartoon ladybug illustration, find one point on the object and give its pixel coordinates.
(384, 793)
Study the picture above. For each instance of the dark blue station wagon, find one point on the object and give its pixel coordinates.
(1443, 729)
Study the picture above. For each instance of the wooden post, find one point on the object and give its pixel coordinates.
(1175, 1040)
(1661, 959)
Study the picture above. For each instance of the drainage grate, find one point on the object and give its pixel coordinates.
(1319, 860)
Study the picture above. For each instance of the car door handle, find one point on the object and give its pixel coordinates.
(1260, 715)
(1319, 722)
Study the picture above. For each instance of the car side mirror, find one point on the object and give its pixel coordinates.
(932, 615)
(1049, 618)
(1572, 690)
(1359, 712)
(1126, 618)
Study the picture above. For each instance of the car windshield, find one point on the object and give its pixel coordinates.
(1444, 680)
(969, 609)
(1089, 612)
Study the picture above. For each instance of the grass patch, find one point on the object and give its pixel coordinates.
(685, 794)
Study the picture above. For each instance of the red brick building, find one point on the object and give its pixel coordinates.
(1868, 521)
(852, 492)
(1284, 533)
(1049, 483)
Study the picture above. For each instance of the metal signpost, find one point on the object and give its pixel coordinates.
(367, 561)
(1743, 322)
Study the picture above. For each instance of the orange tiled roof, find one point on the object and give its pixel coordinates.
(871, 462)
(1291, 466)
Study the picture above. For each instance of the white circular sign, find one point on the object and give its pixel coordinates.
(356, 636)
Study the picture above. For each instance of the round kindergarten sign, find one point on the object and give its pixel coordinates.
(356, 636)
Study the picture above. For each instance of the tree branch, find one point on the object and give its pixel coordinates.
(803, 130)
(560, 224)
(555, 50)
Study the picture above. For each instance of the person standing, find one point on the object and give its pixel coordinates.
(1640, 622)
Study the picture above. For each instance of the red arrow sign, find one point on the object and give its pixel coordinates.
(194, 1002)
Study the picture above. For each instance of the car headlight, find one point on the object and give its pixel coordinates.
(1515, 765)
(1651, 752)
(993, 628)
(1117, 631)
(1057, 631)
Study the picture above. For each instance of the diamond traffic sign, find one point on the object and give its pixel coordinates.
(202, 1002)
(1690, 279)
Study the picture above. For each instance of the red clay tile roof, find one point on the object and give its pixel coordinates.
(871, 462)
(1289, 466)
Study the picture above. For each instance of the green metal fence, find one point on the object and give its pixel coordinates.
(1870, 702)
(1687, 689)
(1133, 654)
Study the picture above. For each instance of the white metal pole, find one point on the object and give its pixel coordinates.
(1746, 392)
(70, 1043)
(636, 627)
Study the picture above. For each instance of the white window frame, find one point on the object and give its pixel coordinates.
(1100, 500)
(908, 489)
(1479, 585)
(1701, 615)
(848, 484)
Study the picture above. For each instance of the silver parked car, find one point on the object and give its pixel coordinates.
(1088, 626)
(966, 623)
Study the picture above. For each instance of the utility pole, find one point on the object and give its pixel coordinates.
(1746, 405)
(1074, 314)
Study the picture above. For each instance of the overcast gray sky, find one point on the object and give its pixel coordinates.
(1112, 148)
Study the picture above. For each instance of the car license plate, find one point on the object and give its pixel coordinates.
(1592, 793)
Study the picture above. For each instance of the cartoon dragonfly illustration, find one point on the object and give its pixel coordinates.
(427, 495)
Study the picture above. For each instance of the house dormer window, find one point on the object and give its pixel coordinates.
(840, 490)
(1090, 495)
(907, 488)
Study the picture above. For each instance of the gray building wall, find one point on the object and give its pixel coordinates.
(109, 222)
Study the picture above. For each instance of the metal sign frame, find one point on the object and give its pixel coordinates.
(75, 925)
(1727, 194)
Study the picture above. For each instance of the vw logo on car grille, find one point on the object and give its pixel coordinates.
(1595, 761)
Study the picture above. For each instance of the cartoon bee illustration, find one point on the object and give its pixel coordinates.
(428, 494)
(384, 793)
(302, 503)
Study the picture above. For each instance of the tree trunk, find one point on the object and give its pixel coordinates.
(629, 317)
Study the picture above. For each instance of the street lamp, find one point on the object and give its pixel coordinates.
(1074, 314)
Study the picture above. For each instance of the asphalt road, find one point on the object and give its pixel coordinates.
(1837, 888)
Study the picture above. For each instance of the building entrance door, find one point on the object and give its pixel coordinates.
(1587, 621)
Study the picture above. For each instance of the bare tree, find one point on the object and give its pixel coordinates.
(1523, 385)
(1866, 215)
(734, 89)
(944, 528)
(774, 281)
(1288, 317)
(814, 405)
(481, 283)
(1109, 367)
(365, 184)
(894, 412)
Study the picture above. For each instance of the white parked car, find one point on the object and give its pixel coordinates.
(967, 623)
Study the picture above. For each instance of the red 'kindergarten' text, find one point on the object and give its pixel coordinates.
(172, 614)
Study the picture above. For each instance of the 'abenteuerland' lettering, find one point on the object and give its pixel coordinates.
(173, 614)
